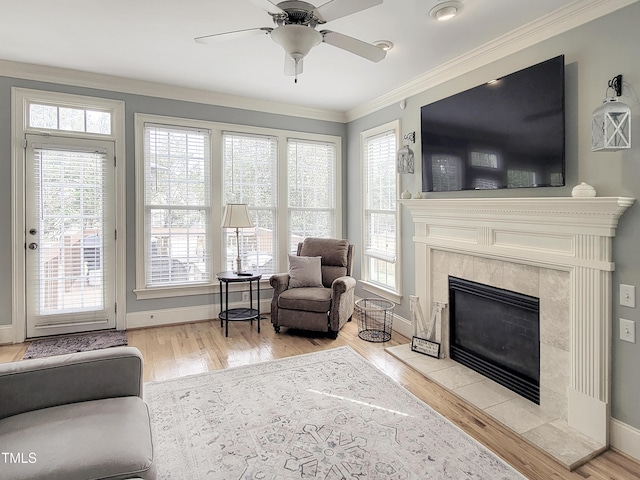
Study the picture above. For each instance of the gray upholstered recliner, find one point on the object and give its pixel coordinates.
(75, 417)
(321, 309)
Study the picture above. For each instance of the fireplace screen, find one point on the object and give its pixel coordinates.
(496, 332)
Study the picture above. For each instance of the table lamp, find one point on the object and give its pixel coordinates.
(236, 215)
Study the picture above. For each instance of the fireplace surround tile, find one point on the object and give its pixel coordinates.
(489, 272)
(554, 323)
(555, 285)
(440, 262)
(521, 278)
(441, 287)
(520, 415)
(460, 265)
(567, 445)
(554, 369)
(554, 402)
(485, 394)
(456, 376)
(425, 364)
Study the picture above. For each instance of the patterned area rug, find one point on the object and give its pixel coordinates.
(46, 347)
(327, 415)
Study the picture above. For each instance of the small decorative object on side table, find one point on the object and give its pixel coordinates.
(238, 314)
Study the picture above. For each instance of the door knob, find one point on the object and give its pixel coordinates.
(33, 246)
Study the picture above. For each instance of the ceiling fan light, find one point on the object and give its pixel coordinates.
(296, 39)
(446, 10)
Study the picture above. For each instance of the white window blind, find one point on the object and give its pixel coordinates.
(380, 194)
(70, 208)
(311, 179)
(250, 176)
(177, 182)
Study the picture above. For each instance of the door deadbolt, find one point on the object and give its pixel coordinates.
(33, 231)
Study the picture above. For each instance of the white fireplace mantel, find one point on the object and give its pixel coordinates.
(563, 233)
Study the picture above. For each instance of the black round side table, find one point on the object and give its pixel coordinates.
(238, 314)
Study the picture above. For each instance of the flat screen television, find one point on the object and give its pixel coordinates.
(507, 133)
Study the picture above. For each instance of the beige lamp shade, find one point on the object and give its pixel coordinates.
(236, 215)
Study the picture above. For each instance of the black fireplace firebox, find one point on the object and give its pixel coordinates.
(496, 332)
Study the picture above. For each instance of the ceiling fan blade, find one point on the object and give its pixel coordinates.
(335, 9)
(267, 6)
(353, 45)
(212, 38)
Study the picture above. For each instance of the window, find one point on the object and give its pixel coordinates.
(177, 196)
(484, 159)
(311, 176)
(521, 178)
(557, 179)
(380, 189)
(250, 176)
(73, 119)
(447, 172)
(188, 170)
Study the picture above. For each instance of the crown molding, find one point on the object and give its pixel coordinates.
(111, 83)
(559, 21)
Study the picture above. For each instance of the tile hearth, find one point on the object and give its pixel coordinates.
(544, 429)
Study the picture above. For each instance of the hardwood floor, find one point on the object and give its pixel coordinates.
(185, 349)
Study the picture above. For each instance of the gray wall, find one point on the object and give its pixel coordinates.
(133, 104)
(594, 53)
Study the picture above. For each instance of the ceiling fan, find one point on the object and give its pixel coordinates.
(296, 33)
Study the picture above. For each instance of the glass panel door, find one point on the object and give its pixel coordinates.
(70, 237)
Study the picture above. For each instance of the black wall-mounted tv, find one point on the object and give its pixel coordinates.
(508, 133)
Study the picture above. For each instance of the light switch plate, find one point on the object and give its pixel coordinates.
(628, 330)
(628, 296)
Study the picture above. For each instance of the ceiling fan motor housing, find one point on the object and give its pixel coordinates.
(298, 13)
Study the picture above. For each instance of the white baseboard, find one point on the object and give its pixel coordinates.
(7, 334)
(168, 316)
(625, 438)
(402, 326)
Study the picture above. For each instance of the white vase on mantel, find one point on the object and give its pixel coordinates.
(583, 190)
(418, 195)
(405, 194)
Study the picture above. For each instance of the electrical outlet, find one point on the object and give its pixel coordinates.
(628, 296)
(628, 330)
(245, 296)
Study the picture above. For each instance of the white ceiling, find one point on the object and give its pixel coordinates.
(152, 40)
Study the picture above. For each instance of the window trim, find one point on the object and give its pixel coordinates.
(217, 129)
(367, 285)
(141, 290)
